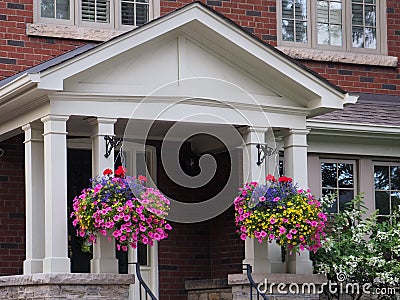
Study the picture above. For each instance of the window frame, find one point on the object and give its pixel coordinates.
(386, 164)
(347, 46)
(80, 22)
(339, 161)
(118, 12)
(37, 16)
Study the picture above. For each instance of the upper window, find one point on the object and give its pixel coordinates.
(332, 24)
(115, 14)
(338, 178)
(387, 187)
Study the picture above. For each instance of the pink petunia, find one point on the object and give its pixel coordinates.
(282, 230)
(289, 236)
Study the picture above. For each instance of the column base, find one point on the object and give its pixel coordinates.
(299, 263)
(104, 265)
(262, 266)
(32, 266)
(56, 265)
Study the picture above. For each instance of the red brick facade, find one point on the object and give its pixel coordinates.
(12, 206)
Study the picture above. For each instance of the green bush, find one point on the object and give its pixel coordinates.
(359, 249)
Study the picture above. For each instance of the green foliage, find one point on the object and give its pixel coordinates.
(361, 249)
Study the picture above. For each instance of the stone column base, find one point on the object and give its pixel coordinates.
(65, 286)
(292, 286)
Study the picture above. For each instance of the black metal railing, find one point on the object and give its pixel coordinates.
(144, 290)
(253, 284)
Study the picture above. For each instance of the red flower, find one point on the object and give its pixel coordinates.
(142, 178)
(107, 172)
(284, 179)
(120, 172)
(270, 177)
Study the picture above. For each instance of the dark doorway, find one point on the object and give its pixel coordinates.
(79, 173)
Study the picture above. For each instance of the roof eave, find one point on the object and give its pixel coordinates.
(18, 86)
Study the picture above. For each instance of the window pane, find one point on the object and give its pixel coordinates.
(345, 175)
(96, 11)
(370, 38)
(141, 14)
(370, 15)
(127, 13)
(395, 178)
(287, 9)
(358, 37)
(63, 9)
(322, 11)
(329, 177)
(395, 198)
(301, 32)
(335, 34)
(357, 15)
(368, 1)
(103, 11)
(335, 12)
(287, 30)
(88, 10)
(381, 177)
(301, 10)
(345, 196)
(323, 34)
(334, 207)
(47, 9)
(382, 202)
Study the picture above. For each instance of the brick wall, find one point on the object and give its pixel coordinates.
(12, 206)
(18, 51)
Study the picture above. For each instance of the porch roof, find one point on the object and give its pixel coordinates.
(282, 82)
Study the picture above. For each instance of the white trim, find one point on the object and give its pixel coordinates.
(321, 127)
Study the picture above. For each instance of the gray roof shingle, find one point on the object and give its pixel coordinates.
(370, 109)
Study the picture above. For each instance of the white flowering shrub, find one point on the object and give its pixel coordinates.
(358, 249)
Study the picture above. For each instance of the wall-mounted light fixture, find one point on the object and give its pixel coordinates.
(1, 152)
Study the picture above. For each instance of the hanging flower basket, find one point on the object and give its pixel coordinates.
(122, 206)
(281, 212)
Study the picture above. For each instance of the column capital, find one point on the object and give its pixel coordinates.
(33, 125)
(102, 126)
(33, 132)
(295, 138)
(55, 124)
(96, 121)
(60, 118)
(294, 131)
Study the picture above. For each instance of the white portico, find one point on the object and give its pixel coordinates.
(190, 66)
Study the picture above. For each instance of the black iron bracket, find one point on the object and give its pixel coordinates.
(263, 151)
(1, 152)
(112, 142)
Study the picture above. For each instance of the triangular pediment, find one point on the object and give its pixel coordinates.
(192, 53)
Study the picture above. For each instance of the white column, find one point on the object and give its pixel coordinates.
(104, 260)
(295, 148)
(55, 174)
(255, 253)
(34, 190)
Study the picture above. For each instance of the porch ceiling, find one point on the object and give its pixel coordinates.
(193, 58)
